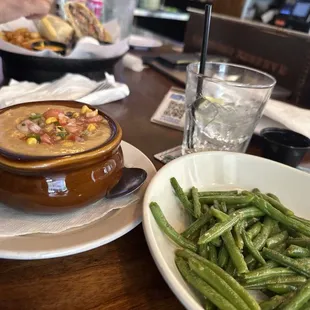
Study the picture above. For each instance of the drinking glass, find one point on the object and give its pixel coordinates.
(223, 106)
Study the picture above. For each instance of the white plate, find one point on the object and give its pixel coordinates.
(210, 171)
(114, 225)
(143, 42)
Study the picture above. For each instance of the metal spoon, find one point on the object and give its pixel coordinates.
(131, 180)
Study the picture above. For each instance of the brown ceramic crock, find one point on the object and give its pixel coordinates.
(59, 183)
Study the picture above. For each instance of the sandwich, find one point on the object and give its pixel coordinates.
(54, 28)
(85, 23)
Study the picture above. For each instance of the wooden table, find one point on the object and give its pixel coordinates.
(119, 275)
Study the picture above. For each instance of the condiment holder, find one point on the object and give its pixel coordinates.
(284, 146)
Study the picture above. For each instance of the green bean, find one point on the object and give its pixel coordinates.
(182, 197)
(252, 265)
(238, 230)
(251, 248)
(196, 203)
(201, 286)
(169, 230)
(250, 301)
(216, 193)
(281, 289)
(276, 239)
(267, 208)
(274, 302)
(273, 196)
(223, 207)
(194, 237)
(254, 230)
(230, 268)
(299, 235)
(219, 228)
(296, 251)
(212, 221)
(238, 206)
(277, 204)
(249, 212)
(222, 257)
(251, 221)
(290, 280)
(231, 211)
(209, 305)
(205, 208)
(195, 226)
(217, 242)
(229, 241)
(260, 240)
(281, 247)
(305, 221)
(295, 234)
(229, 200)
(299, 241)
(276, 229)
(269, 265)
(212, 253)
(217, 283)
(263, 274)
(286, 261)
(256, 191)
(304, 261)
(234, 253)
(301, 298)
(216, 205)
(203, 248)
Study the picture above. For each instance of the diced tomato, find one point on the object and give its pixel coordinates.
(75, 138)
(45, 138)
(52, 113)
(63, 119)
(95, 119)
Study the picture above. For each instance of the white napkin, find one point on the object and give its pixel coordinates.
(283, 115)
(69, 87)
(133, 62)
(16, 223)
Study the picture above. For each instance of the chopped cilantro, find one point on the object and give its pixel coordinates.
(34, 116)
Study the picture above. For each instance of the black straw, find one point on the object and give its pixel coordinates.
(202, 66)
(205, 42)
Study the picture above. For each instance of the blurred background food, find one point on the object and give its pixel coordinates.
(54, 28)
(79, 22)
(85, 22)
(21, 37)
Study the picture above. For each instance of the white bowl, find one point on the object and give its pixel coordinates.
(212, 171)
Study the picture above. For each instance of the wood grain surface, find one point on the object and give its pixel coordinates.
(119, 275)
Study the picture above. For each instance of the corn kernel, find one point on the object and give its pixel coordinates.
(92, 113)
(32, 141)
(67, 143)
(51, 120)
(76, 114)
(91, 127)
(85, 109)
